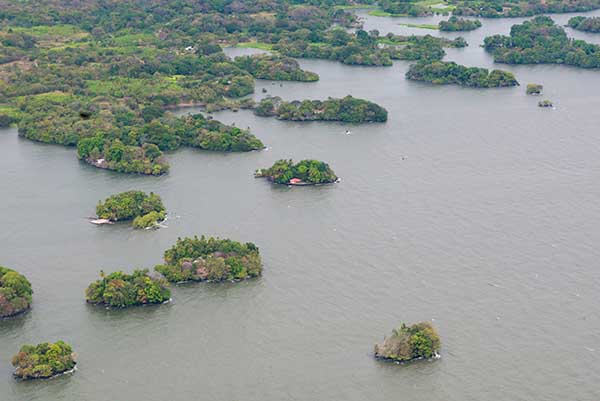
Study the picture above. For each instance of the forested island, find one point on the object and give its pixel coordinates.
(15, 293)
(121, 290)
(305, 172)
(534, 89)
(521, 8)
(274, 67)
(407, 343)
(455, 24)
(43, 361)
(364, 48)
(585, 24)
(210, 259)
(541, 41)
(442, 73)
(545, 103)
(411, 8)
(347, 109)
(146, 210)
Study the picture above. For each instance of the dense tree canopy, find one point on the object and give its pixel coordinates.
(43, 360)
(301, 173)
(347, 109)
(121, 290)
(586, 24)
(277, 68)
(15, 293)
(541, 41)
(210, 259)
(459, 24)
(144, 209)
(410, 342)
(440, 72)
(521, 8)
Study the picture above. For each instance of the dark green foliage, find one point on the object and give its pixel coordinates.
(210, 259)
(116, 156)
(208, 134)
(405, 7)
(43, 360)
(15, 293)
(121, 290)
(365, 48)
(337, 44)
(6, 120)
(307, 171)
(541, 41)
(534, 89)
(274, 67)
(117, 136)
(410, 342)
(440, 73)
(521, 8)
(149, 220)
(586, 24)
(347, 109)
(459, 24)
(130, 205)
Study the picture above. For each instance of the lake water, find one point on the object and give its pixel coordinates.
(471, 208)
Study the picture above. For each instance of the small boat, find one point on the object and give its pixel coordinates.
(99, 222)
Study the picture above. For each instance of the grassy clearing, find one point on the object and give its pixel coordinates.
(435, 6)
(10, 111)
(422, 26)
(255, 45)
(381, 13)
(51, 30)
(356, 7)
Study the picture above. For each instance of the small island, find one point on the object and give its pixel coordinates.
(15, 293)
(408, 343)
(43, 361)
(305, 172)
(121, 290)
(541, 41)
(520, 8)
(115, 155)
(347, 109)
(210, 259)
(146, 210)
(545, 103)
(455, 24)
(534, 89)
(443, 73)
(275, 67)
(585, 24)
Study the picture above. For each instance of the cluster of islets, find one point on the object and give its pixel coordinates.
(189, 259)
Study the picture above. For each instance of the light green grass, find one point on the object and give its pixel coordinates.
(51, 30)
(255, 45)
(435, 6)
(381, 13)
(10, 111)
(387, 41)
(356, 7)
(422, 26)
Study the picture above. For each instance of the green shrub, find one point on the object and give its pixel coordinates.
(43, 360)
(418, 341)
(131, 205)
(149, 220)
(15, 293)
(307, 171)
(210, 259)
(121, 290)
